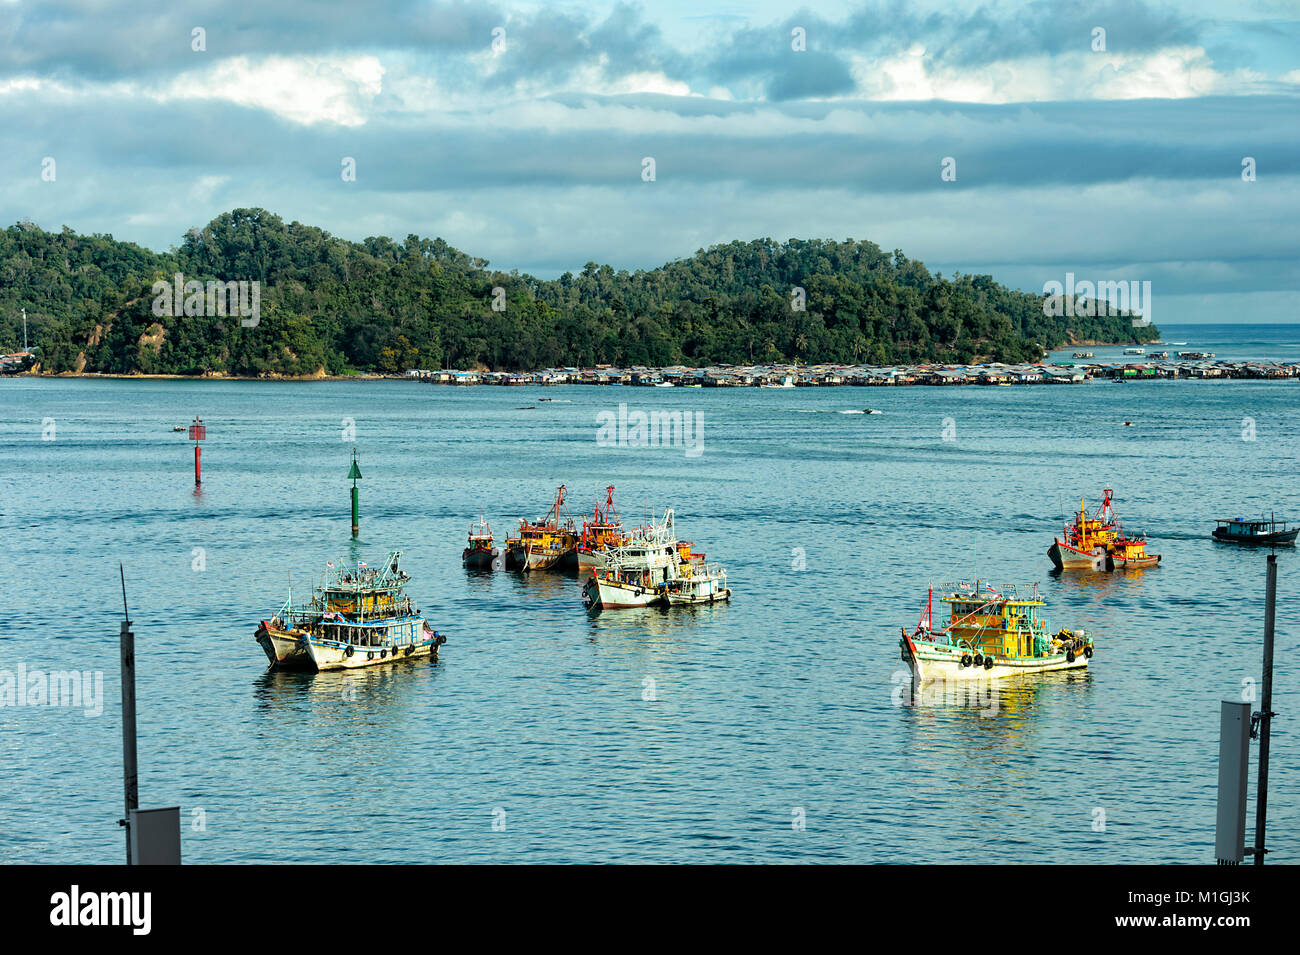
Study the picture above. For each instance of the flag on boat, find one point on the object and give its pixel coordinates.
(361, 563)
(329, 564)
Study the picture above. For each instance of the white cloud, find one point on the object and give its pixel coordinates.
(307, 90)
(1171, 73)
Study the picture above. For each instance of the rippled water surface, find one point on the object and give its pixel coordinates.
(785, 702)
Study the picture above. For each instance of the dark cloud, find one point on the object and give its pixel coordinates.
(98, 41)
(90, 40)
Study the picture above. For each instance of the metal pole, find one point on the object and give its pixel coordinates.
(198, 471)
(355, 524)
(1266, 713)
(129, 773)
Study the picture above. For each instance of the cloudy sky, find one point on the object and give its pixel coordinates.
(519, 131)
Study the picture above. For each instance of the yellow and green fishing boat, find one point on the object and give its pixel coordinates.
(549, 543)
(989, 634)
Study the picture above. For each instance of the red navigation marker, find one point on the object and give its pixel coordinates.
(198, 431)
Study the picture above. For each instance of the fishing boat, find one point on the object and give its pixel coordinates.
(1159, 354)
(1098, 542)
(655, 568)
(1084, 354)
(990, 634)
(1135, 351)
(632, 572)
(550, 543)
(480, 550)
(599, 534)
(1268, 533)
(1195, 355)
(697, 582)
(357, 616)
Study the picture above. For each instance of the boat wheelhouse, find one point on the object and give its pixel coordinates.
(551, 543)
(480, 549)
(357, 616)
(1266, 532)
(990, 634)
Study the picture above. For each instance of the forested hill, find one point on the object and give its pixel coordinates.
(330, 306)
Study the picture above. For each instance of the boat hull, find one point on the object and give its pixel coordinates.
(1065, 557)
(1132, 563)
(930, 664)
(610, 594)
(1275, 539)
(682, 600)
(589, 560)
(478, 557)
(296, 650)
(550, 559)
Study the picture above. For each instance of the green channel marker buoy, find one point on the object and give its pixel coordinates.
(355, 475)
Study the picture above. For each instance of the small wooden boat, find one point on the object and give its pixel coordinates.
(480, 550)
(990, 634)
(1266, 533)
(357, 617)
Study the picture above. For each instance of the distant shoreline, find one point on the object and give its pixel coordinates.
(787, 377)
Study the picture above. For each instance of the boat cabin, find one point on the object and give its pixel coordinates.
(997, 623)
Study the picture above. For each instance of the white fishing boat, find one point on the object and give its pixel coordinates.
(358, 616)
(655, 568)
(697, 583)
(632, 573)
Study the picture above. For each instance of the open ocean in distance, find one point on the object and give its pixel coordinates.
(783, 703)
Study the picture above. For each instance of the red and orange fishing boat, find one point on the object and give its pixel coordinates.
(1097, 542)
(600, 533)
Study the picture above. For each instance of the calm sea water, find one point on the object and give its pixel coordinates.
(784, 702)
(1229, 342)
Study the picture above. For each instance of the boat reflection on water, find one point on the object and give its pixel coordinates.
(1100, 586)
(345, 695)
(558, 584)
(986, 715)
(655, 622)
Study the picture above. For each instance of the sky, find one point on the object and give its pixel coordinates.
(1115, 140)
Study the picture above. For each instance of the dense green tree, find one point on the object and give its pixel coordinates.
(332, 306)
